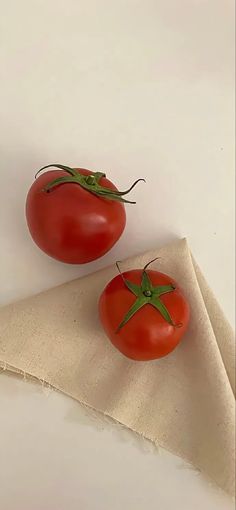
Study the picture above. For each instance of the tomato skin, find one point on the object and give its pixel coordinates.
(71, 224)
(147, 335)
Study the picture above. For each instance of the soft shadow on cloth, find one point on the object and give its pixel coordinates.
(184, 402)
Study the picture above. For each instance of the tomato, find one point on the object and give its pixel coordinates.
(75, 215)
(144, 313)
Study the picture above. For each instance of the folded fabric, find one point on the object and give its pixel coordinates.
(183, 402)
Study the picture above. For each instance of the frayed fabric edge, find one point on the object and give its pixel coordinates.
(149, 445)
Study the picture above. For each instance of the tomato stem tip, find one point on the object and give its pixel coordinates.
(89, 182)
(146, 294)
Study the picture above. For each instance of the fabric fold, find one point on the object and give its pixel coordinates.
(184, 402)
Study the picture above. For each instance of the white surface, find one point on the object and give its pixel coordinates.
(136, 89)
(54, 456)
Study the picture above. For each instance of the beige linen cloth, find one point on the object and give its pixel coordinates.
(183, 402)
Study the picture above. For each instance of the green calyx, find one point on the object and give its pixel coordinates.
(146, 294)
(89, 182)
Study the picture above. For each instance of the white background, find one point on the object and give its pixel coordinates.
(137, 89)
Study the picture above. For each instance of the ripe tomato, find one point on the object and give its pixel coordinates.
(75, 215)
(144, 313)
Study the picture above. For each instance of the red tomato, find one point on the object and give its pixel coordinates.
(147, 334)
(70, 223)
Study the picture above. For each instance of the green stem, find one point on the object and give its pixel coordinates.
(146, 294)
(89, 182)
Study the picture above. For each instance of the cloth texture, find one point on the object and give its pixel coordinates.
(183, 402)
